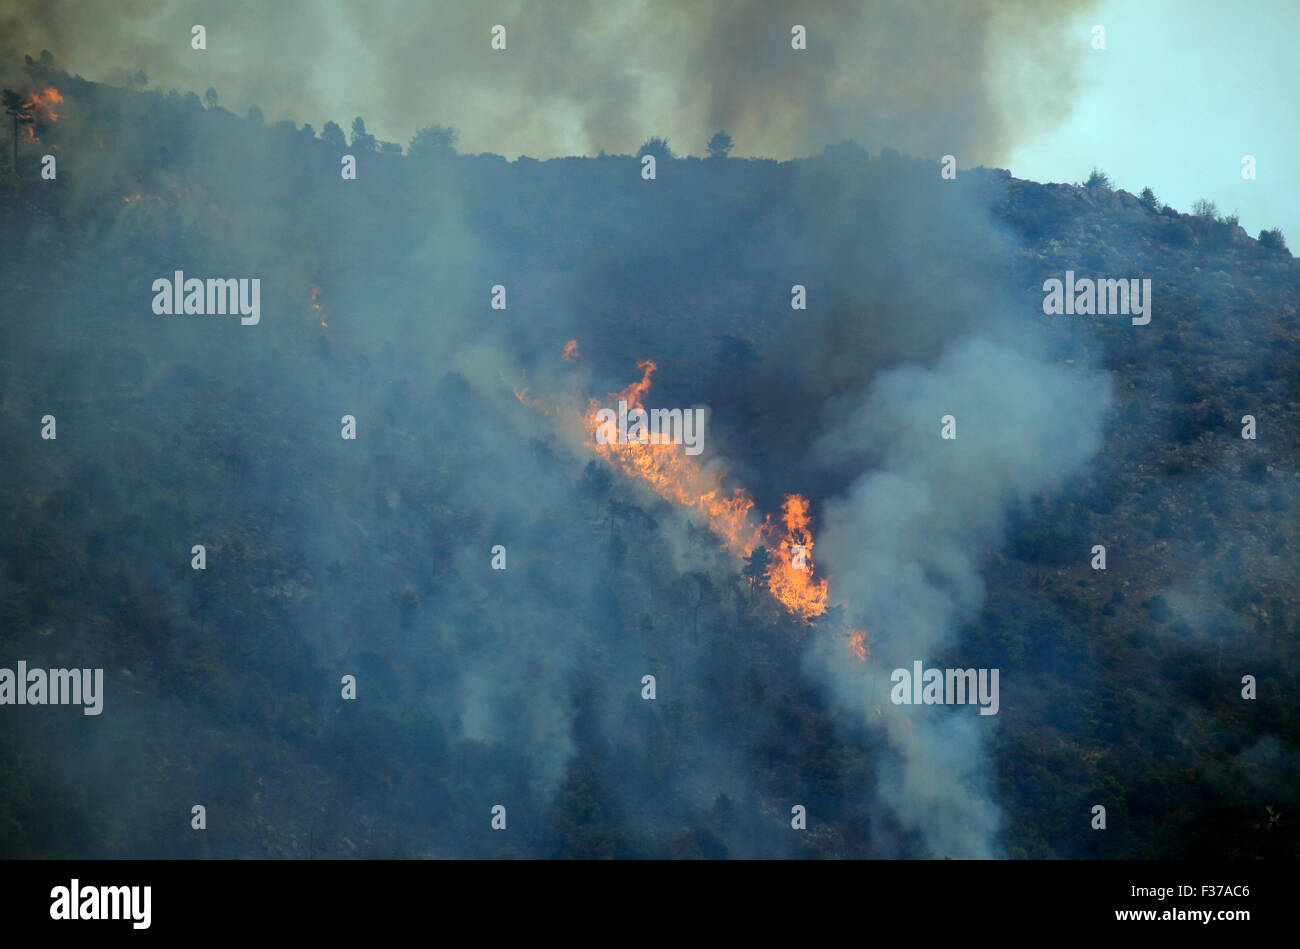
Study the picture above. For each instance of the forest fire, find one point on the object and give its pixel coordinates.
(570, 350)
(790, 574)
(43, 103)
(675, 477)
(40, 109)
(315, 305)
(858, 647)
(679, 478)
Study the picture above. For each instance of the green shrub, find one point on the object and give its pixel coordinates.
(1098, 179)
(1273, 240)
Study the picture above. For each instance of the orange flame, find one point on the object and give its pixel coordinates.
(680, 479)
(546, 408)
(315, 293)
(42, 104)
(570, 350)
(858, 648)
(675, 476)
(790, 577)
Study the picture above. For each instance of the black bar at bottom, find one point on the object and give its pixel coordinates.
(333, 899)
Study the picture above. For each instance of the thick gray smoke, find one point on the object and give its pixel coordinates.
(578, 77)
(903, 548)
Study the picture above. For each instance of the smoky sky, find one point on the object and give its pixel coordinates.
(971, 78)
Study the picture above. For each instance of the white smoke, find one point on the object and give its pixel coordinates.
(903, 550)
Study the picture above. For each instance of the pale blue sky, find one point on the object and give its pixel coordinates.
(1181, 93)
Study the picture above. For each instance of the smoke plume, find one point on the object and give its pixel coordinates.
(578, 77)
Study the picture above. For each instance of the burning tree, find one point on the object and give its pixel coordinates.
(21, 110)
(777, 555)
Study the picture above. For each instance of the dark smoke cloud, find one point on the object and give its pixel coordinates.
(968, 78)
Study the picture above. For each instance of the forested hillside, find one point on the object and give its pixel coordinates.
(476, 686)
